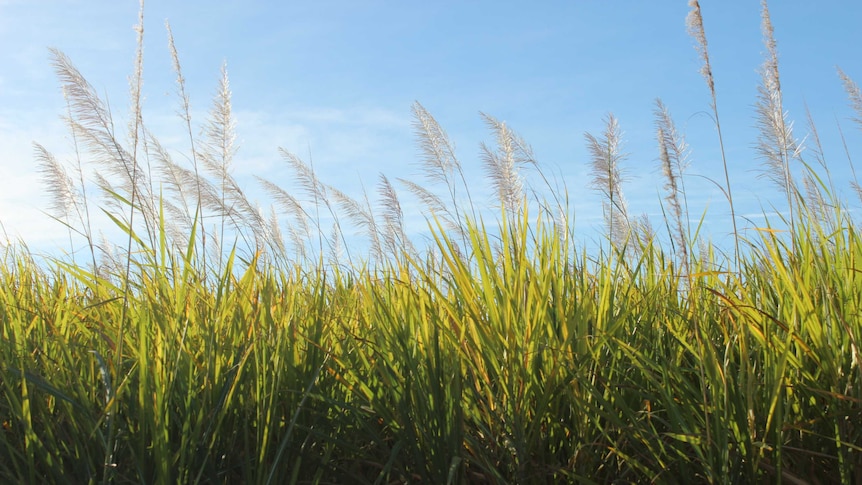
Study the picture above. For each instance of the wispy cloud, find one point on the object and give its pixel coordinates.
(22, 200)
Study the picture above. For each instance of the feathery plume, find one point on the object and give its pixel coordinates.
(289, 204)
(501, 165)
(815, 202)
(775, 143)
(83, 210)
(185, 111)
(434, 206)
(173, 176)
(273, 229)
(855, 95)
(645, 233)
(336, 250)
(60, 184)
(231, 202)
(362, 217)
(673, 155)
(91, 121)
(185, 114)
(85, 105)
(141, 193)
(694, 23)
(308, 180)
(317, 191)
(220, 129)
(286, 201)
(439, 161)
(394, 236)
(607, 177)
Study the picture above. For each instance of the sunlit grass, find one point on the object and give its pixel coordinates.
(499, 353)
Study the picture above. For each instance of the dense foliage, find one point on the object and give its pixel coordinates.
(498, 354)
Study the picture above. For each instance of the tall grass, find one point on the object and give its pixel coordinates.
(210, 349)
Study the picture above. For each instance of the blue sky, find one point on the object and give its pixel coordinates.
(336, 79)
